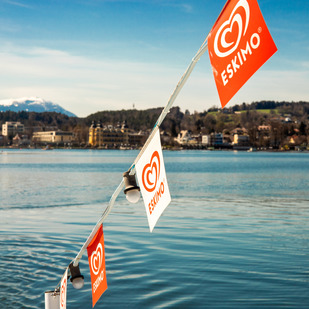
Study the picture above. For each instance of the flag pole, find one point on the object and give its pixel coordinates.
(182, 82)
(100, 221)
(174, 95)
(162, 116)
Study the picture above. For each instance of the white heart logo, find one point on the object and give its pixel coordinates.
(96, 259)
(222, 46)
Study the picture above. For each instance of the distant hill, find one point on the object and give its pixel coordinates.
(215, 119)
(32, 104)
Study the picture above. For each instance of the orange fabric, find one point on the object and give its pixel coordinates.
(96, 258)
(238, 45)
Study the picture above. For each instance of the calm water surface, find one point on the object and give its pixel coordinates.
(236, 234)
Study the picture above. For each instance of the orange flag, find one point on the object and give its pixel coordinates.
(96, 258)
(238, 45)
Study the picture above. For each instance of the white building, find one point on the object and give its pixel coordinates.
(53, 137)
(213, 139)
(184, 137)
(11, 128)
(241, 140)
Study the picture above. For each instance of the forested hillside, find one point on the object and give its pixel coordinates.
(212, 120)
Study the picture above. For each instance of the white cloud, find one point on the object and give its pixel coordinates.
(80, 84)
(17, 3)
(84, 86)
(185, 7)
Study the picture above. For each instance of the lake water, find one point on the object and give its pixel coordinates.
(236, 234)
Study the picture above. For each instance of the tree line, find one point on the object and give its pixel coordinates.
(245, 115)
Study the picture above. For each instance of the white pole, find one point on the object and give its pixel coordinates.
(163, 114)
(182, 81)
(95, 229)
(52, 300)
(173, 97)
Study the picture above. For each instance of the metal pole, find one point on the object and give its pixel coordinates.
(162, 116)
(173, 97)
(182, 81)
(95, 229)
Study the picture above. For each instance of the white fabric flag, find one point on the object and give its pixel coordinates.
(63, 290)
(150, 172)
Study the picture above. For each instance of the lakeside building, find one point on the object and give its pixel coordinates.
(213, 139)
(184, 137)
(241, 140)
(108, 136)
(11, 128)
(240, 137)
(137, 139)
(21, 141)
(111, 137)
(217, 140)
(53, 137)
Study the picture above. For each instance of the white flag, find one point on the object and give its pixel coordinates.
(152, 180)
(63, 290)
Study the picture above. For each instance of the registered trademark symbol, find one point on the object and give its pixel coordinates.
(259, 29)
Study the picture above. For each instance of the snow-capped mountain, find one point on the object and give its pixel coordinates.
(32, 104)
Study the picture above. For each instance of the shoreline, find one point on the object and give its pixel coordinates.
(236, 149)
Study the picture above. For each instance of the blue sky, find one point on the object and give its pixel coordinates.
(92, 55)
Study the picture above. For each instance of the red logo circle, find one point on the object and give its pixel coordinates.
(151, 172)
